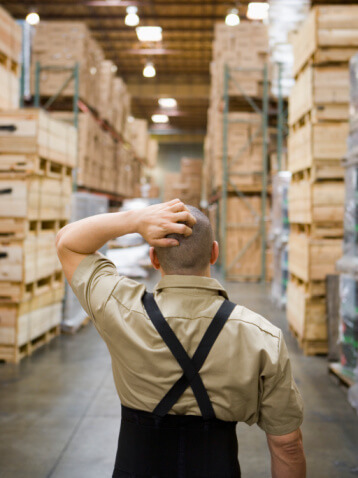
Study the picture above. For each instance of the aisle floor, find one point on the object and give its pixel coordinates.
(60, 416)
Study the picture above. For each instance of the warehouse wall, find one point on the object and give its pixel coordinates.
(169, 157)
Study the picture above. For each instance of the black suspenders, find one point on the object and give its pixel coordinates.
(190, 366)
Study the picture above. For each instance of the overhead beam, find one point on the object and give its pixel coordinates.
(178, 91)
(124, 3)
(157, 17)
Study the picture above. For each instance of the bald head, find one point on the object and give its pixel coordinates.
(193, 254)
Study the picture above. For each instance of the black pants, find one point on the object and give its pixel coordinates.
(175, 447)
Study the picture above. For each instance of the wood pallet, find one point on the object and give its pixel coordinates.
(339, 373)
(9, 63)
(310, 347)
(19, 228)
(18, 291)
(13, 354)
(19, 165)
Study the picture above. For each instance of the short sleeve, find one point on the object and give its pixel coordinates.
(93, 282)
(281, 409)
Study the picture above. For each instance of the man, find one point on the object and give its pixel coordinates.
(187, 363)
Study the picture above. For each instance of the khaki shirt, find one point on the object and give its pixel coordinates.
(247, 373)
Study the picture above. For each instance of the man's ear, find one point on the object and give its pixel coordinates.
(214, 253)
(154, 258)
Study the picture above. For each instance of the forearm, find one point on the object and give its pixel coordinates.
(288, 466)
(88, 235)
(287, 455)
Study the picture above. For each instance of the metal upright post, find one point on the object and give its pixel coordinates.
(76, 74)
(37, 84)
(279, 118)
(264, 172)
(225, 165)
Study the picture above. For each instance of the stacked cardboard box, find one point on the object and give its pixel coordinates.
(137, 135)
(185, 185)
(37, 154)
(104, 164)
(318, 119)
(10, 52)
(65, 44)
(240, 55)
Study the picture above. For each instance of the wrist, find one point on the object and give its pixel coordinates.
(132, 219)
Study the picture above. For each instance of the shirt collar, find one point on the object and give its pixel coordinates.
(191, 282)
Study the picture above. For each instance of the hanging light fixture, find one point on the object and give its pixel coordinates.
(167, 102)
(160, 119)
(33, 18)
(149, 70)
(149, 34)
(232, 18)
(257, 10)
(131, 19)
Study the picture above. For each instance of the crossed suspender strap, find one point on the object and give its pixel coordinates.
(190, 366)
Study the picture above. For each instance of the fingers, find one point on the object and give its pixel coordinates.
(185, 216)
(176, 228)
(165, 242)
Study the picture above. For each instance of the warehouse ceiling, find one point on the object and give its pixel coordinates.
(182, 58)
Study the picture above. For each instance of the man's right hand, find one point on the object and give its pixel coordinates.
(154, 223)
(287, 455)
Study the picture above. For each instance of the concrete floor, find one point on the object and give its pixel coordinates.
(60, 416)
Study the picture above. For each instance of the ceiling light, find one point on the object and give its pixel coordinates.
(167, 102)
(160, 119)
(131, 18)
(130, 119)
(114, 68)
(149, 34)
(232, 18)
(149, 70)
(33, 18)
(257, 10)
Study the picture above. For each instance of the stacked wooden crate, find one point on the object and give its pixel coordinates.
(104, 163)
(318, 119)
(62, 45)
(186, 184)
(244, 51)
(37, 154)
(10, 52)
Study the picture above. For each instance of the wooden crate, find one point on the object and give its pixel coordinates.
(11, 292)
(30, 259)
(65, 44)
(329, 34)
(320, 204)
(306, 315)
(10, 87)
(311, 259)
(10, 38)
(34, 132)
(35, 198)
(320, 147)
(153, 148)
(24, 327)
(322, 91)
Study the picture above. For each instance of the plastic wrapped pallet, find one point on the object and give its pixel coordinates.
(348, 289)
(83, 205)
